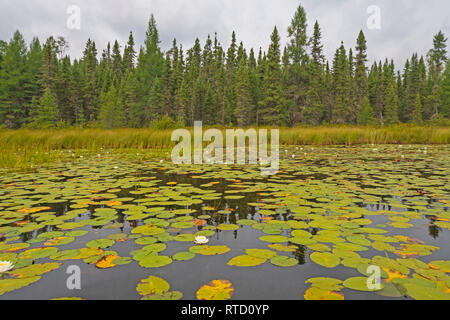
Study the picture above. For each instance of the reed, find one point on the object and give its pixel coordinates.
(26, 148)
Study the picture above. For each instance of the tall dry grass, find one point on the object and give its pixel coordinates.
(23, 148)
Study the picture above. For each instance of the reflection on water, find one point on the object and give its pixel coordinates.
(267, 281)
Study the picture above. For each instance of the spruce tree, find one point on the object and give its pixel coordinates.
(361, 86)
(63, 92)
(244, 99)
(13, 79)
(342, 112)
(111, 114)
(316, 46)
(390, 115)
(444, 95)
(295, 74)
(437, 58)
(417, 117)
(129, 55)
(116, 63)
(297, 32)
(366, 115)
(49, 64)
(272, 111)
(285, 86)
(155, 100)
(46, 116)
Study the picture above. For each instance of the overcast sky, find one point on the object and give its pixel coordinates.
(407, 26)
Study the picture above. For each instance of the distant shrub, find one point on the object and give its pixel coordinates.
(166, 123)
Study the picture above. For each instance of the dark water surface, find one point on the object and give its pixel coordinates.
(331, 166)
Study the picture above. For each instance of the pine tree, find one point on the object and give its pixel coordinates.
(116, 63)
(366, 115)
(76, 99)
(13, 79)
(130, 101)
(32, 87)
(129, 55)
(3, 46)
(295, 75)
(437, 58)
(342, 112)
(111, 114)
(46, 116)
(445, 92)
(298, 37)
(313, 109)
(155, 101)
(285, 86)
(150, 63)
(230, 93)
(90, 87)
(49, 64)
(361, 85)
(272, 111)
(63, 93)
(390, 114)
(418, 118)
(243, 96)
(316, 46)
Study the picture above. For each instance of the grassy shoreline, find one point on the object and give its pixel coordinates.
(25, 148)
(152, 138)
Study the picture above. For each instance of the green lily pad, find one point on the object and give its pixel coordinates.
(325, 259)
(274, 239)
(246, 261)
(155, 261)
(183, 256)
(100, 243)
(209, 250)
(360, 284)
(261, 253)
(283, 261)
(152, 285)
(328, 284)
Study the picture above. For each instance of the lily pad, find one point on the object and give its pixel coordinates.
(246, 261)
(360, 284)
(325, 259)
(284, 261)
(216, 290)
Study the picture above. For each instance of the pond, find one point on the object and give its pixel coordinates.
(128, 222)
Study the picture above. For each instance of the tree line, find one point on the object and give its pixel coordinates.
(41, 87)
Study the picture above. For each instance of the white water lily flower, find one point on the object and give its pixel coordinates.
(201, 240)
(5, 266)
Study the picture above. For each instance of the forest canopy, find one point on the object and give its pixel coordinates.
(42, 87)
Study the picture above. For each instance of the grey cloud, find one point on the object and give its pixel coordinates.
(407, 26)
